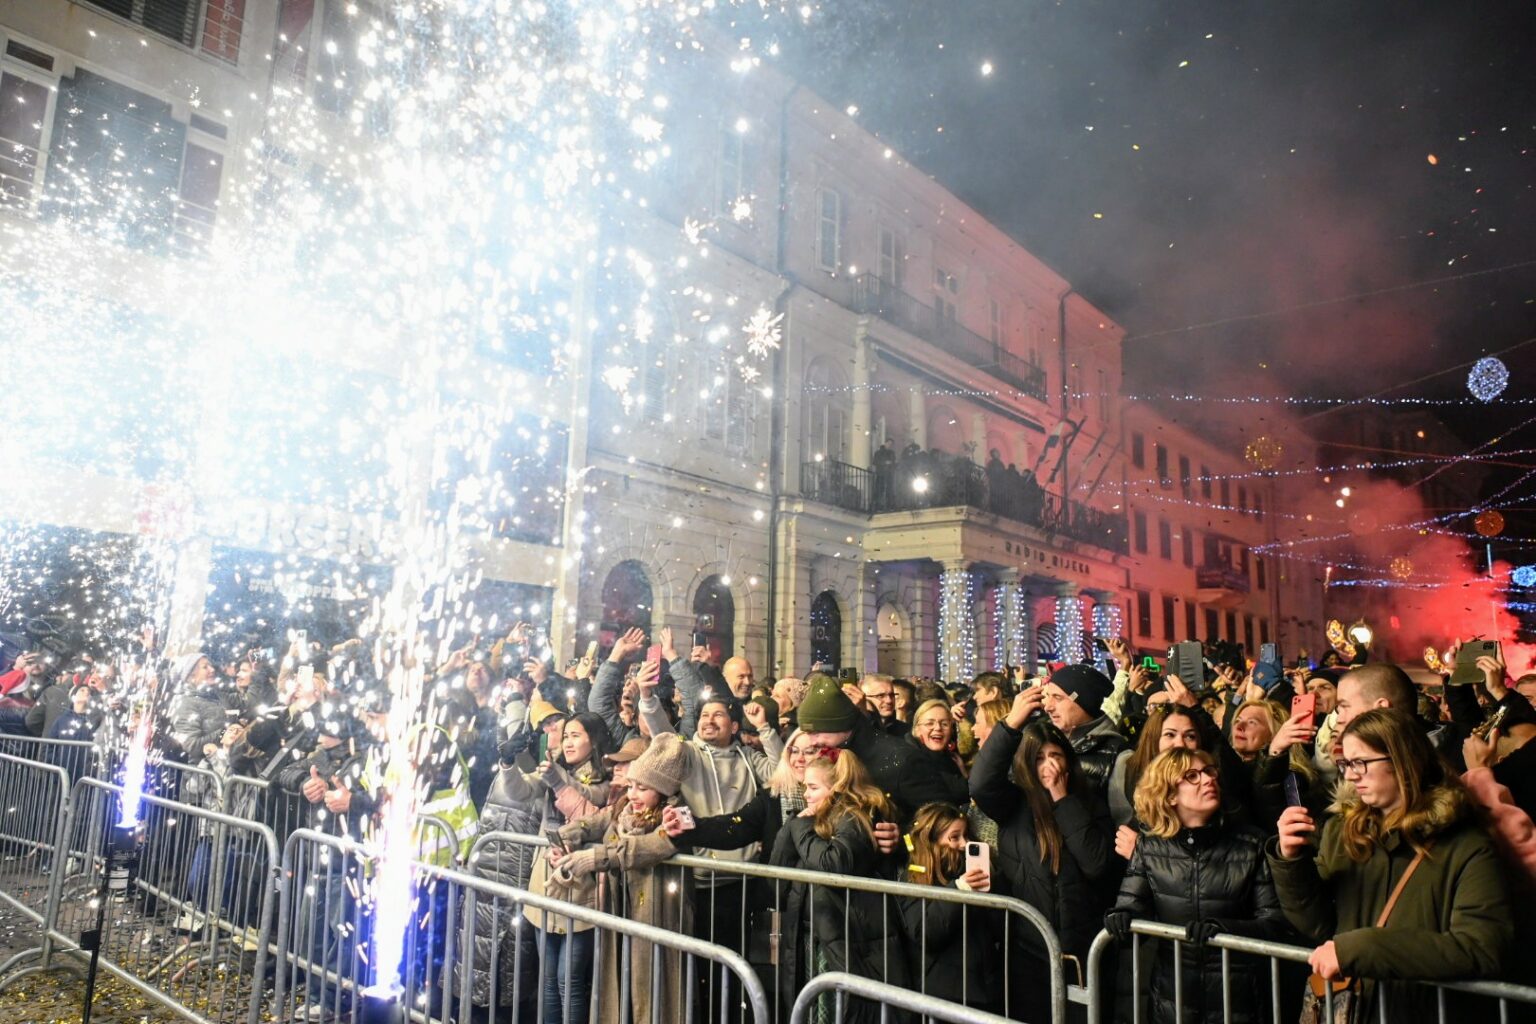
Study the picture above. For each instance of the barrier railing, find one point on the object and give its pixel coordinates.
(192, 929)
(79, 758)
(34, 821)
(1098, 987)
(464, 930)
(839, 985)
(741, 905)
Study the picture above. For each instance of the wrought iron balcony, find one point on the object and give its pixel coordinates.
(837, 483)
(874, 296)
(949, 481)
(1221, 577)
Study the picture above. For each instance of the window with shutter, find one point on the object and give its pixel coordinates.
(173, 19)
(201, 172)
(653, 395)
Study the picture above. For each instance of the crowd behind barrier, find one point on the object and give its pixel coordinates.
(649, 838)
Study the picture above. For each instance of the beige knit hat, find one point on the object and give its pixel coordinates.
(663, 764)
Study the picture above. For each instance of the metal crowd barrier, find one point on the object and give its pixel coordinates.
(193, 928)
(840, 984)
(34, 823)
(1098, 988)
(470, 936)
(80, 758)
(754, 889)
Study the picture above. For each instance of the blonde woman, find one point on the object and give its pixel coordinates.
(1272, 747)
(1190, 868)
(933, 733)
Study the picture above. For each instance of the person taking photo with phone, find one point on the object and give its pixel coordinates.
(1055, 839)
(1404, 883)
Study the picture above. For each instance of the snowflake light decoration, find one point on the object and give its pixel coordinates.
(1524, 576)
(764, 332)
(618, 378)
(1401, 567)
(1263, 452)
(1488, 379)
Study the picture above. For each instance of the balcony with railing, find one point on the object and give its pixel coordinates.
(874, 296)
(1221, 578)
(934, 480)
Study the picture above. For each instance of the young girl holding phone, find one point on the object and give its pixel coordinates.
(957, 944)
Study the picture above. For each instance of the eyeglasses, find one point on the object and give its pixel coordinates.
(1195, 776)
(888, 695)
(1357, 765)
(802, 752)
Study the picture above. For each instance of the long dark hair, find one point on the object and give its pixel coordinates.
(1151, 735)
(601, 740)
(1037, 736)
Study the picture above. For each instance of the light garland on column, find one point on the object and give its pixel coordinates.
(1107, 619)
(1069, 629)
(1015, 626)
(956, 599)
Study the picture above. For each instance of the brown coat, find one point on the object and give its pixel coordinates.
(644, 890)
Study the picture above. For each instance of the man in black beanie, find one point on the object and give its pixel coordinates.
(1074, 699)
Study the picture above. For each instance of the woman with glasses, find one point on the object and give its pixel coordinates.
(1193, 869)
(933, 733)
(1055, 841)
(1399, 812)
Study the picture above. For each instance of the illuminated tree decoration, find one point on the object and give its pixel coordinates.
(1488, 523)
(1401, 567)
(1488, 379)
(1263, 452)
(1524, 576)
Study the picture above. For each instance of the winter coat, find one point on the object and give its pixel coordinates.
(54, 703)
(1097, 744)
(945, 774)
(956, 947)
(1073, 899)
(1452, 921)
(197, 719)
(838, 929)
(1202, 874)
(607, 694)
(641, 889)
(526, 804)
(894, 766)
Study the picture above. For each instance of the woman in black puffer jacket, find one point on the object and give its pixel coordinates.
(1193, 870)
(1055, 843)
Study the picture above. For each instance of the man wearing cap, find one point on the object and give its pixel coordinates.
(720, 775)
(828, 718)
(1074, 698)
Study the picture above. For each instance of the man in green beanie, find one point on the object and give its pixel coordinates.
(829, 719)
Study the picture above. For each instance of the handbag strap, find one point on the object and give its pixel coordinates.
(1386, 911)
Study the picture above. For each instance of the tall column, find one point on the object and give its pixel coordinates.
(1014, 635)
(957, 627)
(918, 414)
(859, 445)
(861, 607)
(1108, 621)
(1069, 624)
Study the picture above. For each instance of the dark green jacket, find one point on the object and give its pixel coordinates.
(1452, 921)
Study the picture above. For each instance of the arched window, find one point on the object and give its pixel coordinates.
(827, 405)
(890, 633)
(1045, 642)
(626, 601)
(714, 615)
(826, 630)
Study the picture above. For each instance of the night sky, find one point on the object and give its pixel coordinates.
(1189, 165)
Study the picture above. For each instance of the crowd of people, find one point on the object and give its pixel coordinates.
(1386, 826)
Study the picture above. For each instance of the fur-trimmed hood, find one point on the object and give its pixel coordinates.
(1441, 808)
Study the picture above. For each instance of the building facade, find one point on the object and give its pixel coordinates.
(924, 467)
